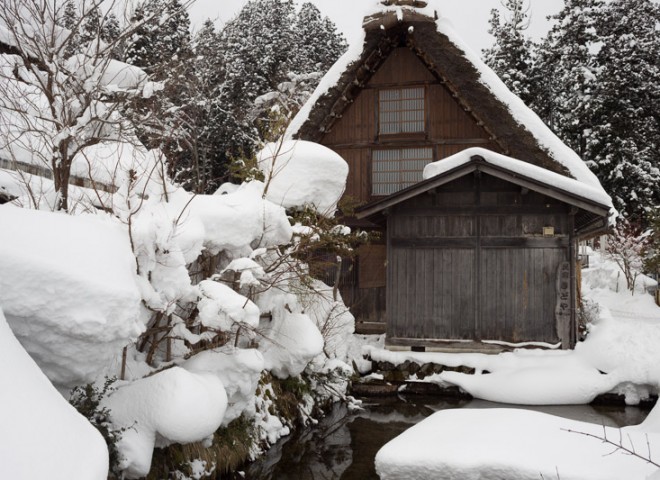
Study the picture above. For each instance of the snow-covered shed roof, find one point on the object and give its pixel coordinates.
(420, 26)
(594, 205)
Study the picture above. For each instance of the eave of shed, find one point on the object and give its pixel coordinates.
(593, 206)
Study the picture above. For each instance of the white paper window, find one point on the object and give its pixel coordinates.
(401, 110)
(397, 168)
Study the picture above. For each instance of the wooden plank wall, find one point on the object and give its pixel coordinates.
(484, 275)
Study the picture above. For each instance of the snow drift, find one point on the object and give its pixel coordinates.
(42, 435)
(68, 290)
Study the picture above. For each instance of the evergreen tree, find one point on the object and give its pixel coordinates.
(511, 55)
(317, 44)
(70, 19)
(274, 59)
(162, 38)
(600, 66)
(110, 28)
(211, 110)
(257, 47)
(625, 142)
(213, 135)
(567, 73)
(91, 26)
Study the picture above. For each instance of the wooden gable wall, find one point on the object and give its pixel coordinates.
(449, 127)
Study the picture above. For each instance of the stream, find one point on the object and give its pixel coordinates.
(343, 445)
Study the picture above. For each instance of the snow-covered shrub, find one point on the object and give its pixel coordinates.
(87, 400)
(171, 406)
(588, 313)
(627, 246)
(188, 298)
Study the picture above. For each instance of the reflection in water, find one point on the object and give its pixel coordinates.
(343, 445)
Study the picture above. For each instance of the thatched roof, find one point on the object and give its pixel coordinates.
(513, 126)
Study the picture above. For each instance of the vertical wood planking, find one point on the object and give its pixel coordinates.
(401, 66)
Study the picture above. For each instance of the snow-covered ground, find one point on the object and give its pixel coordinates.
(620, 355)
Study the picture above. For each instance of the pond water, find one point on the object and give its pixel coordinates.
(343, 445)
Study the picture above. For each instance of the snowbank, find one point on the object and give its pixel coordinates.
(68, 290)
(172, 406)
(513, 444)
(299, 173)
(41, 435)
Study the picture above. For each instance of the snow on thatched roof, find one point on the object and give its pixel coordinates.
(390, 24)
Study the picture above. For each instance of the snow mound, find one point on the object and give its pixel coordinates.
(239, 370)
(172, 406)
(221, 307)
(68, 290)
(512, 444)
(535, 386)
(299, 173)
(290, 341)
(42, 436)
(241, 218)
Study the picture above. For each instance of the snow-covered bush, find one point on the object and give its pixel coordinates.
(253, 307)
(87, 400)
(191, 300)
(627, 247)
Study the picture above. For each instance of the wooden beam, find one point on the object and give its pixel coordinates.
(484, 242)
(487, 210)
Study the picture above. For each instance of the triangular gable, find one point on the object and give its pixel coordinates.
(513, 126)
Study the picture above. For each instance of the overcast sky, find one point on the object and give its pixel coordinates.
(469, 17)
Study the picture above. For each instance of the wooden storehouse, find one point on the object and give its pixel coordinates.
(483, 251)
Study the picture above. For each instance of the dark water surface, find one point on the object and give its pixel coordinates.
(343, 445)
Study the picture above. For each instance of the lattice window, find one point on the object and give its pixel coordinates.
(397, 168)
(401, 110)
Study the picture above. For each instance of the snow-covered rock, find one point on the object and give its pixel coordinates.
(41, 435)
